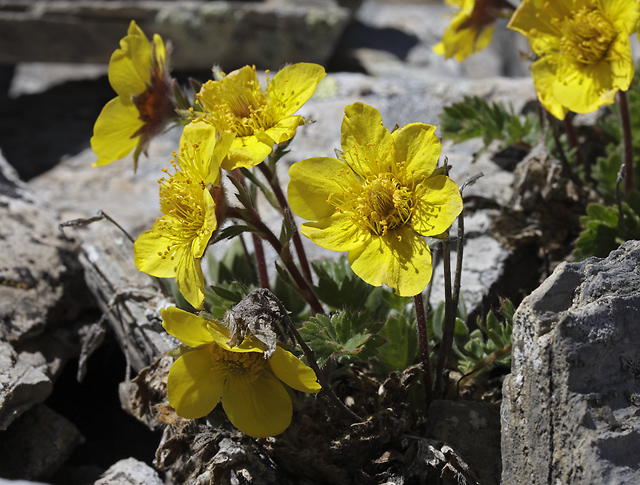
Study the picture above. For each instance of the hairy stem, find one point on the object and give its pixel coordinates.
(263, 276)
(272, 178)
(326, 387)
(449, 321)
(304, 288)
(423, 339)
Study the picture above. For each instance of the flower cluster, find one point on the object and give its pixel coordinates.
(191, 201)
(378, 201)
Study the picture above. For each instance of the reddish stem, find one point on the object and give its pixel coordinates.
(282, 200)
(423, 339)
(261, 262)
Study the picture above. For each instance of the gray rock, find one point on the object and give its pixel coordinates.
(37, 443)
(267, 34)
(21, 385)
(130, 472)
(39, 273)
(570, 412)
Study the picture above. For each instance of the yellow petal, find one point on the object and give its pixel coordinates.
(621, 62)
(586, 88)
(623, 13)
(417, 145)
(113, 132)
(538, 15)
(129, 65)
(190, 329)
(201, 241)
(290, 370)
(260, 408)
(337, 232)
(203, 135)
(312, 181)
(544, 80)
(401, 260)
(147, 258)
(438, 204)
(220, 335)
(193, 387)
(190, 279)
(292, 86)
(284, 130)
(367, 144)
(161, 52)
(247, 152)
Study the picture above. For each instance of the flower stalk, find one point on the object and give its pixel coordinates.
(423, 339)
(274, 182)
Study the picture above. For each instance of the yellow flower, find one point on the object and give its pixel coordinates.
(471, 29)
(236, 103)
(583, 48)
(138, 74)
(249, 384)
(178, 240)
(378, 200)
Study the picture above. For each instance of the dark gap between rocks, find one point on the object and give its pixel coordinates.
(94, 408)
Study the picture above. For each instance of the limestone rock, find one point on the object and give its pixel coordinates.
(37, 443)
(267, 34)
(38, 269)
(21, 385)
(570, 412)
(130, 472)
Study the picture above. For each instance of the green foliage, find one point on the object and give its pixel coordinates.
(400, 350)
(476, 118)
(605, 170)
(340, 288)
(343, 337)
(234, 265)
(492, 338)
(602, 232)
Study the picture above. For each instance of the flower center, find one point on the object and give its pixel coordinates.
(248, 365)
(184, 212)
(155, 105)
(587, 35)
(384, 204)
(239, 106)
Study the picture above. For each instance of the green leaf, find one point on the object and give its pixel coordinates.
(232, 296)
(338, 286)
(270, 196)
(400, 350)
(602, 233)
(476, 118)
(234, 265)
(230, 232)
(344, 337)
